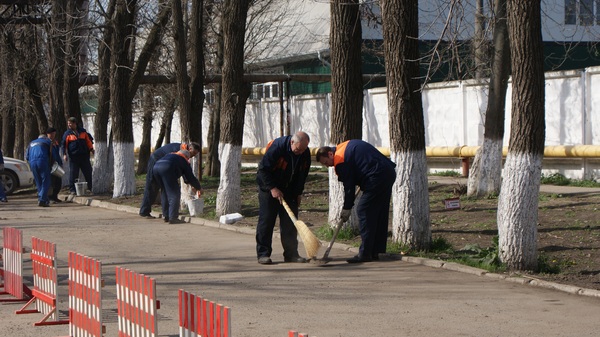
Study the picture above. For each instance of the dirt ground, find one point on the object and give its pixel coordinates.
(568, 229)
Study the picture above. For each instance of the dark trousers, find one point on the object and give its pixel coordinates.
(56, 184)
(170, 195)
(83, 164)
(269, 209)
(150, 190)
(373, 211)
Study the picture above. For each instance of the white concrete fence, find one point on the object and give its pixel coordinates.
(454, 116)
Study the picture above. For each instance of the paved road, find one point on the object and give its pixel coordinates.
(388, 298)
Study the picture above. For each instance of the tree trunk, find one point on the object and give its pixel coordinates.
(24, 48)
(167, 118)
(23, 135)
(7, 106)
(71, 65)
(147, 118)
(411, 223)
(213, 166)
(183, 81)
(479, 45)
(121, 110)
(346, 71)
(233, 102)
(485, 176)
(518, 202)
(56, 63)
(346, 88)
(103, 166)
(197, 33)
(148, 57)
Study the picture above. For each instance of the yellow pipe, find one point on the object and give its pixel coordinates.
(557, 151)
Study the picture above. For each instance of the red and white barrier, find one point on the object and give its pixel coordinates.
(12, 266)
(293, 333)
(85, 299)
(43, 257)
(136, 304)
(199, 317)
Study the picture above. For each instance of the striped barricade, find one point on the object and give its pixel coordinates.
(12, 266)
(293, 333)
(43, 258)
(85, 299)
(199, 317)
(136, 304)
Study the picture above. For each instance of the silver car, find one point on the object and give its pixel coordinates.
(16, 175)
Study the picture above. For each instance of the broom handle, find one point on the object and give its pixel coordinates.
(289, 211)
(335, 234)
(339, 226)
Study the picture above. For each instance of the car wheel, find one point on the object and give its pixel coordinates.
(10, 181)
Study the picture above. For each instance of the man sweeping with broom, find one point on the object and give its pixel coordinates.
(281, 176)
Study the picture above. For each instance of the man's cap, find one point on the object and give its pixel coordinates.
(50, 130)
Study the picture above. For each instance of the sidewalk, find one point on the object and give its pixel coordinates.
(412, 297)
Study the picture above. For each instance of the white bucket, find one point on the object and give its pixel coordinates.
(57, 170)
(80, 188)
(196, 206)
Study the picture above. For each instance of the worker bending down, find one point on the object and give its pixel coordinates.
(166, 173)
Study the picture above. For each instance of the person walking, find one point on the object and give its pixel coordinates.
(55, 182)
(281, 176)
(77, 144)
(2, 191)
(357, 162)
(151, 189)
(39, 154)
(167, 172)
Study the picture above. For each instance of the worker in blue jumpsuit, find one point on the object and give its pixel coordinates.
(2, 192)
(357, 162)
(39, 154)
(281, 175)
(151, 189)
(167, 172)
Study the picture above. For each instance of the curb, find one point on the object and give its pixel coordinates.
(524, 279)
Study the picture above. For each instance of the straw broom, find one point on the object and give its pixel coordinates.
(311, 243)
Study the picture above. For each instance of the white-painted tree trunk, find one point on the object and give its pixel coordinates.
(410, 195)
(124, 170)
(518, 211)
(102, 176)
(485, 176)
(229, 199)
(336, 202)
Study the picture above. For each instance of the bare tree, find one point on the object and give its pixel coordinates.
(7, 103)
(148, 111)
(127, 73)
(411, 223)
(346, 87)
(518, 202)
(213, 166)
(346, 71)
(56, 30)
(74, 14)
(269, 24)
(485, 176)
(103, 169)
(233, 102)
(120, 101)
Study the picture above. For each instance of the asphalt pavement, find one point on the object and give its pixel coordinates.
(392, 297)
